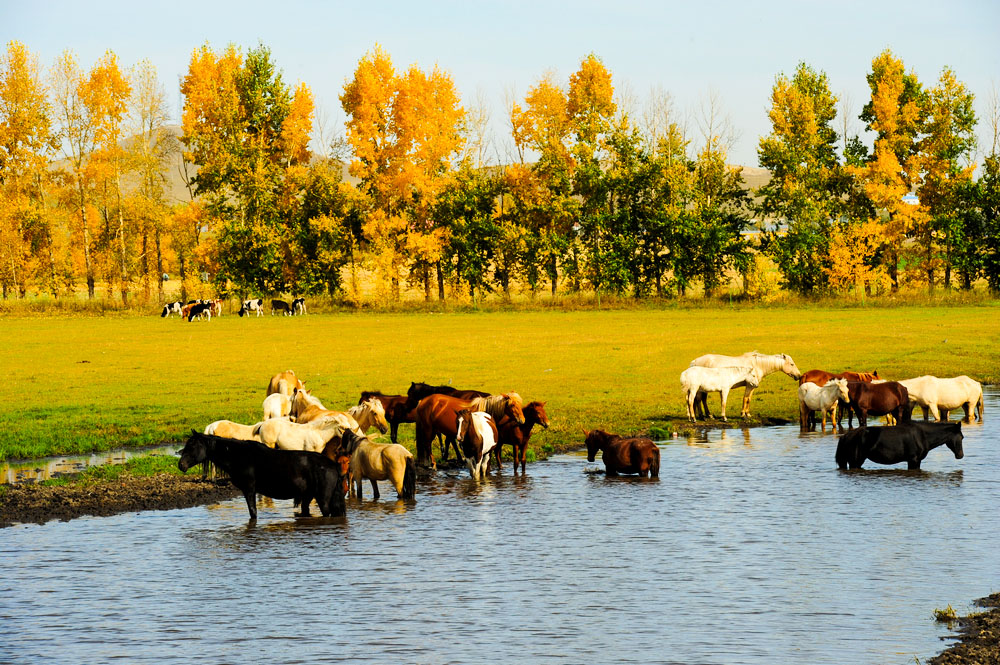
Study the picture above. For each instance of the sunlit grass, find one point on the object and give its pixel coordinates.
(76, 384)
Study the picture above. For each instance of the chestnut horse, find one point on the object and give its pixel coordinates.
(877, 399)
(517, 436)
(624, 455)
(435, 415)
(820, 377)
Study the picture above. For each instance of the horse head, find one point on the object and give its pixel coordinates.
(194, 452)
(954, 441)
(789, 367)
(513, 408)
(462, 419)
(535, 413)
(596, 440)
(841, 389)
(378, 411)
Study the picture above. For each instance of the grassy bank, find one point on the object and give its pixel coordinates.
(78, 384)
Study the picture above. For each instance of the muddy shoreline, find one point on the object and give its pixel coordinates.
(979, 637)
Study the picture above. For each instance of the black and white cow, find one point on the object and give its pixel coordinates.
(172, 308)
(254, 305)
(199, 310)
(299, 306)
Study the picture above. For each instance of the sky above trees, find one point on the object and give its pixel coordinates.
(497, 49)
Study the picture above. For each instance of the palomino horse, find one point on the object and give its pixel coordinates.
(380, 461)
(394, 407)
(279, 474)
(697, 381)
(762, 364)
(285, 383)
(436, 415)
(306, 408)
(476, 435)
(624, 455)
(517, 436)
(276, 405)
(824, 399)
(227, 429)
(312, 436)
(939, 396)
(908, 443)
(368, 414)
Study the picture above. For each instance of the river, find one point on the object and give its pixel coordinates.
(750, 548)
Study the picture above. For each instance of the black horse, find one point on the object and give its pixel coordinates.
(908, 442)
(418, 391)
(279, 474)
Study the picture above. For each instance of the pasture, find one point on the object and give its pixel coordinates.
(85, 384)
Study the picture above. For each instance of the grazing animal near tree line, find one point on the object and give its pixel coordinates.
(762, 364)
(697, 380)
(299, 306)
(908, 443)
(252, 305)
(172, 308)
(624, 455)
(939, 396)
(476, 435)
(280, 306)
(280, 474)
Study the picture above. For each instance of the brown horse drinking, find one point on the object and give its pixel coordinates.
(517, 436)
(624, 455)
(436, 415)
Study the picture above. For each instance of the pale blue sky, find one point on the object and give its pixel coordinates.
(686, 48)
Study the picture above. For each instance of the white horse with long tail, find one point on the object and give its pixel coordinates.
(939, 396)
(697, 381)
(761, 364)
(823, 399)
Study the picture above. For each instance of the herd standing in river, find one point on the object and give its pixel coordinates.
(303, 451)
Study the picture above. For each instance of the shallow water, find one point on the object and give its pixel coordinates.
(750, 548)
(37, 470)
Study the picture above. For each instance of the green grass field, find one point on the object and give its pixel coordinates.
(82, 384)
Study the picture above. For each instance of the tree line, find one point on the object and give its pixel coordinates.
(597, 194)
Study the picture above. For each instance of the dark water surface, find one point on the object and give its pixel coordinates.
(751, 548)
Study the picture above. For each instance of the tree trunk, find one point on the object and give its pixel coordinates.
(159, 265)
(426, 269)
(555, 275)
(88, 262)
(440, 276)
(121, 235)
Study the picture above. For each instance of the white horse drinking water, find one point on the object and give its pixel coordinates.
(762, 365)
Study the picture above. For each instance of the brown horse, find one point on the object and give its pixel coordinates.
(877, 399)
(435, 415)
(517, 436)
(820, 377)
(624, 455)
(418, 391)
(334, 451)
(395, 410)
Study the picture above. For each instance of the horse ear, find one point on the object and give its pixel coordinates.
(586, 432)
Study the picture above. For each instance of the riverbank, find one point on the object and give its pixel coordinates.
(979, 637)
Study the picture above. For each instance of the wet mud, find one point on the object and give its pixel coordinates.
(979, 637)
(41, 503)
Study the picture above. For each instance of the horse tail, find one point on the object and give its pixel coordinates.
(409, 479)
(979, 405)
(256, 429)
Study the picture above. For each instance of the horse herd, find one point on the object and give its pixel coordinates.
(304, 451)
(205, 309)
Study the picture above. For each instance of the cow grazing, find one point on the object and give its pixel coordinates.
(172, 308)
(199, 310)
(281, 306)
(253, 305)
(299, 306)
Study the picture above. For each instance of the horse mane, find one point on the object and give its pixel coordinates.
(496, 404)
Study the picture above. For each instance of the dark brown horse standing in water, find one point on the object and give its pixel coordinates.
(517, 436)
(436, 415)
(877, 399)
(624, 455)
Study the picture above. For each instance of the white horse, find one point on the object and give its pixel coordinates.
(476, 434)
(286, 435)
(822, 398)
(230, 430)
(696, 380)
(761, 364)
(939, 396)
(276, 405)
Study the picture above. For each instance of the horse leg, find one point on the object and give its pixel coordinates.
(250, 494)
(725, 397)
(913, 465)
(747, 394)
(935, 412)
(374, 487)
(393, 431)
(304, 509)
(703, 396)
(803, 417)
(689, 403)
